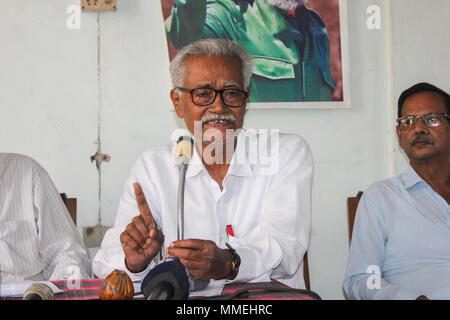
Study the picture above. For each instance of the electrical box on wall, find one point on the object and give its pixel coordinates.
(98, 5)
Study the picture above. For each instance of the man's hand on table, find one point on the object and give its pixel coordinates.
(202, 258)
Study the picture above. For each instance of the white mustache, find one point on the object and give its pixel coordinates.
(214, 117)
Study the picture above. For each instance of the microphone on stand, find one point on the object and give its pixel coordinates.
(38, 291)
(184, 149)
(166, 281)
(183, 153)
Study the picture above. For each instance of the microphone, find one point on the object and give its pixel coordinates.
(166, 281)
(38, 291)
(183, 150)
(183, 153)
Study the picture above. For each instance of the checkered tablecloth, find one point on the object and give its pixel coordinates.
(78, 290)
(88, 290)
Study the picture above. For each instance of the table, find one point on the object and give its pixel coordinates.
(88, 290)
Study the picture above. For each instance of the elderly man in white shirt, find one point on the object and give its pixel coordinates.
(38, 239)
(254, 196)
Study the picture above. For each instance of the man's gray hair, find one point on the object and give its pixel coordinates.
(211, 48)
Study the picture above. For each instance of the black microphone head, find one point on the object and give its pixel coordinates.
(166, 281)
(185, 138)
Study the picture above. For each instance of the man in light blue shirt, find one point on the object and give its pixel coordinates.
(400, 247)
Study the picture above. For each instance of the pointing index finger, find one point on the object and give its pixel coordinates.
(144, 209)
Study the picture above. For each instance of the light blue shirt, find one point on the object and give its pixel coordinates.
(402, 230)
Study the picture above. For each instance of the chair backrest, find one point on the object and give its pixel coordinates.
(306, 271)
(352, 204)
(71, 205)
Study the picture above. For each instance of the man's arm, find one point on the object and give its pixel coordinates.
(364, 277)
(60, 244)
(190, 21)
(186, 21)
(111, 254)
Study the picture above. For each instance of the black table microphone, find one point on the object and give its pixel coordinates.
(168, 280)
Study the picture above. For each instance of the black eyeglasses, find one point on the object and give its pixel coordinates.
(205, 96)
(431, 119)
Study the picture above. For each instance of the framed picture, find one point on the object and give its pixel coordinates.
(299, 47)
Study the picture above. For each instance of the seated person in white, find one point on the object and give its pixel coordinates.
(268, 209)
(400, 247)
(38, 239)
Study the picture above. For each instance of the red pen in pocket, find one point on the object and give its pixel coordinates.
(230, 231)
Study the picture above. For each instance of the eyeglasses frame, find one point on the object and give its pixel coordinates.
(416, 118)
(215, 95)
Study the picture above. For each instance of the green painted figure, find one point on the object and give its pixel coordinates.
(290, 47)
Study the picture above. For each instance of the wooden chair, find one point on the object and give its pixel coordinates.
(352, 204)
(306, 271)
(71, 205)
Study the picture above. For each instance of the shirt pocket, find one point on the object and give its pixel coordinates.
(273, 68)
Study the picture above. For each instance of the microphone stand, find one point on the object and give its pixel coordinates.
(194, 284)
(180, 207)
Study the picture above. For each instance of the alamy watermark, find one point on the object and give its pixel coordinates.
(374, 20)
(74, 279)
(259, 147)
(73, 22)
(374, 280)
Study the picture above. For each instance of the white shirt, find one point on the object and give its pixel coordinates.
(38, 239)
(400, 247)
(268, 206)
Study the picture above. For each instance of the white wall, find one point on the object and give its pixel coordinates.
(48, 94)
(55, 97)
(421, 49)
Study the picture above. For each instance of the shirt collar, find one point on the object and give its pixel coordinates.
(239, 165)
(195, 164)
(411, 178)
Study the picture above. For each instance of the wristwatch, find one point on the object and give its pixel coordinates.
(235, 262)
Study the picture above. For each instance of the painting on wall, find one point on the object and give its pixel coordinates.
(299, 47)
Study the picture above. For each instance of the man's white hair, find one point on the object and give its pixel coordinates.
(211, 48)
